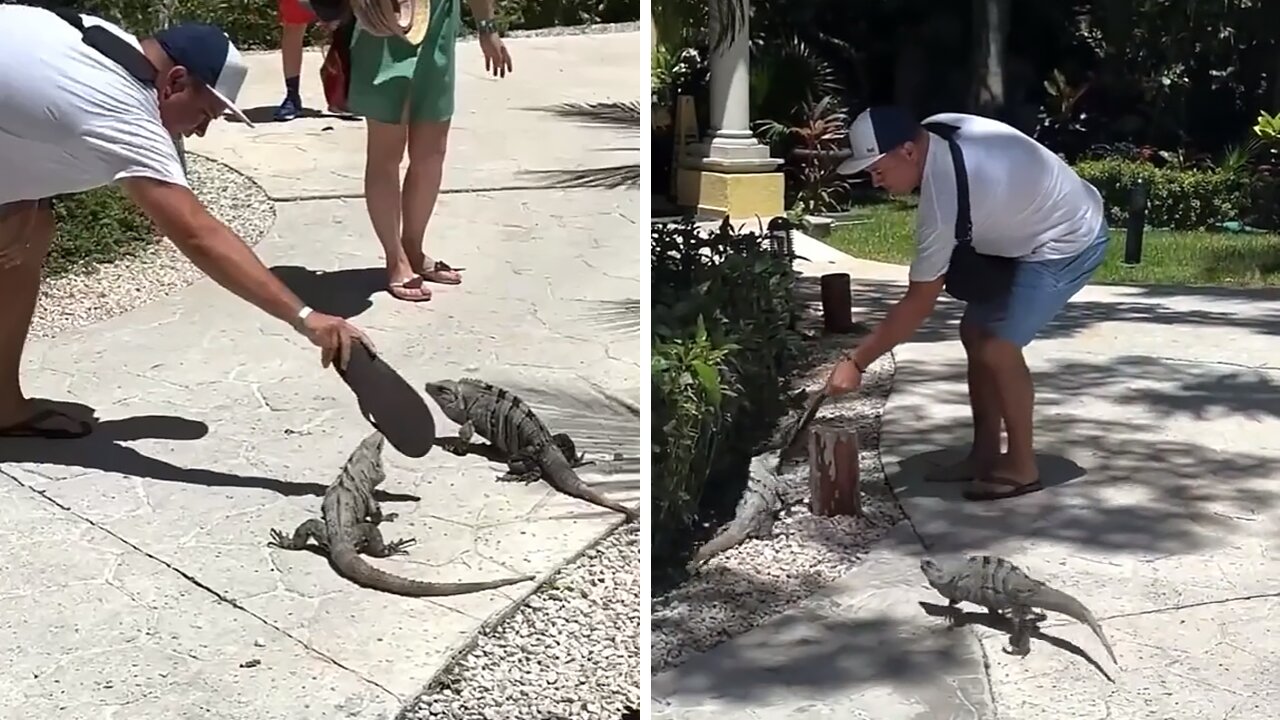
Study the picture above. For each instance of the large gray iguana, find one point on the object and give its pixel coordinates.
(531, 451)
(1000, 586)
(349, 527)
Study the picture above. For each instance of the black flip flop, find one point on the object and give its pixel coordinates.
(389, 403)
(1015, 489)
(440, 266)
(30, 428)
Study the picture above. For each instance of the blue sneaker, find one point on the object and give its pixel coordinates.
(289, 109)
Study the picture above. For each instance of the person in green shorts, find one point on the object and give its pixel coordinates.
(406, 94)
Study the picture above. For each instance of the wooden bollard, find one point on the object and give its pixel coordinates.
(833, 472)
(837, 303)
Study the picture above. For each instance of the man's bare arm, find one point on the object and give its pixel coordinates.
(212, 246)
(901, 322)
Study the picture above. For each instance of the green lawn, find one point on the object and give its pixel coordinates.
(1168, 257)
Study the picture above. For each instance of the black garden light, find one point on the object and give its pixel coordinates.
(1137, 221)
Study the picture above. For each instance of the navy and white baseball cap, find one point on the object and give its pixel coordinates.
(876, 131)
(207, 53)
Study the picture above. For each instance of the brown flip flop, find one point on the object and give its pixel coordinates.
(389, 403)
(1015, 489)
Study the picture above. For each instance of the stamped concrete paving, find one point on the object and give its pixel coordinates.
(136, 580)
(1158, 417)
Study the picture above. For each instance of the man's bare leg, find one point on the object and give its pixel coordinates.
(1017, 406)
(984, 404)
(31, 225)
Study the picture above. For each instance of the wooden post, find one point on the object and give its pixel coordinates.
(837, 303)
(833, 472)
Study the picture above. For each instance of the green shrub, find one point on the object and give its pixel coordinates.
(253, 24)
(1178, 199)
(724, 344)
(94, 227)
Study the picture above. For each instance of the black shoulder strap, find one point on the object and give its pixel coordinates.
(114, 47)
(964, 220)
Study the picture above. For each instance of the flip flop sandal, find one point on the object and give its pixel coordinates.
(440, 266)
(389, 403)
(30, 428)
(413, 282)
(1014, 489)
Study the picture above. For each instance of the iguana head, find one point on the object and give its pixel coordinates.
(448, 395)
(940, 572)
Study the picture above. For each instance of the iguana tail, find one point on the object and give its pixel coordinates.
(354, 568)
(1046, 598)
(559, 474)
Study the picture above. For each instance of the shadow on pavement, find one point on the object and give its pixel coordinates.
(812, 650)
(620, 317)
(875, 297)
(345, 293)
(103, 450)
(1001, 624)
(1147, 489)
(1054, 470)
(265, 114)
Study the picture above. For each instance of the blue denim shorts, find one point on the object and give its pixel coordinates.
(1041, 288)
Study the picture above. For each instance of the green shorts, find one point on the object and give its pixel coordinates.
(388, 73)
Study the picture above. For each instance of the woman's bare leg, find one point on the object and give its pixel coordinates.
(384, 151)
(428, 142)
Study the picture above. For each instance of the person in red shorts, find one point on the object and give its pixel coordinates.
(294, 19)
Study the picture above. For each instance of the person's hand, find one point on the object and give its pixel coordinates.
(496, 58)
(334, 336)
(845, 377)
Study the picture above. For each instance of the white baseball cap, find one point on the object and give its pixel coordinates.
(876, 131)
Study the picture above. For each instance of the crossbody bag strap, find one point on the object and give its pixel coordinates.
(964, 220)
(114, 47)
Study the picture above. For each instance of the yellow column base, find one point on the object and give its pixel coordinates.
(738, 195)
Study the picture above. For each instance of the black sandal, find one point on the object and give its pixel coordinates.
(389, 403)
(1015, 489)
(30, 428)
(440, 266)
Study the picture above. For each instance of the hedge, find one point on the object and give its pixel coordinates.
(1179, 199)
(95, 227)
(253, 24)
(724, 345)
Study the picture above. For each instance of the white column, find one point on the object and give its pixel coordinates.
(730, 146)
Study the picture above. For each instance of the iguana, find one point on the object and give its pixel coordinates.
(350, 527)
(510, 425)
(999, 585)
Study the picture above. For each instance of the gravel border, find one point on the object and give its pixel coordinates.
(105, 291)
(745, 586)
(571, 650)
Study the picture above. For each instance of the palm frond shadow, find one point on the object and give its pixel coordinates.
(614, 316)
(617, 114)
(606, 113)
(602, 425)
(613, 176)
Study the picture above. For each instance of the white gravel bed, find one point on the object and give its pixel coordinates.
(744, 586)
(571, 651)
(102, 292)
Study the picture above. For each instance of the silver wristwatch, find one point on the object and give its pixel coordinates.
(484, 27)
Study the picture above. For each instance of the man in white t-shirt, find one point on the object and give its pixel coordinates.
(1027, 204)
(73, 119)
